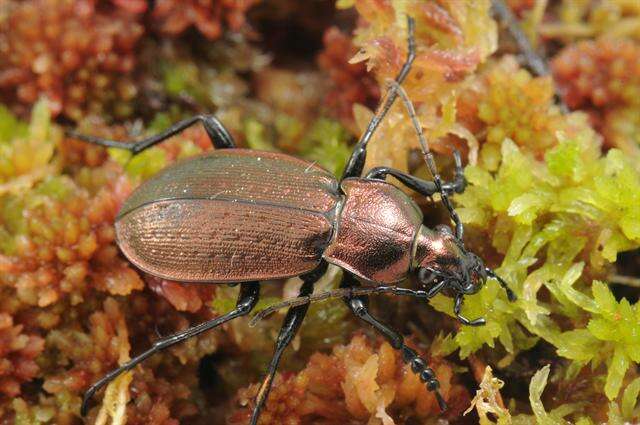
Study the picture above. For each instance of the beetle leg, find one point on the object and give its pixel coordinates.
(355, 165)
(290, 326)
(220, 137)
(360, 307)
(247, 300)
(436, 289)
(456, 309)
(423, 187)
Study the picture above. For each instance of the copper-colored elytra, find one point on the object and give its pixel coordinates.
(230, 216)
(242, 175)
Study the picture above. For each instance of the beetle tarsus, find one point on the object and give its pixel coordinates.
(510, 294)
(219, 135)
(456, 309)
(247, 300)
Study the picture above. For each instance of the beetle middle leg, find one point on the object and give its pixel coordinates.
(247, 300)
(290, 326)
(219, 135)
(360, 307)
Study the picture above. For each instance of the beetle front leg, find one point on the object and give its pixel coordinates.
(218, 134)
(423, 187)
(247, 300)
(288, 330)
(457, 307)
(360, 307)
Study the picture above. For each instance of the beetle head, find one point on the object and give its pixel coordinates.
(443, 264)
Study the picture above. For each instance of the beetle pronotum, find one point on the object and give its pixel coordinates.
(242, 216)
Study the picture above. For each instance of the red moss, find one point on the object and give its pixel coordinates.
(173, 17)
(519, 7)
(69, 246)
(18, 351)
(161, 401)
(91, 355)
(599, 73)
(77, 55)
(359, 381)
(444, 55)
(76, 153)
(603, 77)
(182, 296)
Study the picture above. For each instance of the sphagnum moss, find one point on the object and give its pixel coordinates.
(546, 204)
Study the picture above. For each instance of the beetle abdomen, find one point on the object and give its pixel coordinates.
(231, 216)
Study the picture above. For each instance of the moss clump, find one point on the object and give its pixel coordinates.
(558, 222)
(552, 205)
(360, 381)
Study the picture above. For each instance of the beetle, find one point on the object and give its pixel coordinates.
(238, 216)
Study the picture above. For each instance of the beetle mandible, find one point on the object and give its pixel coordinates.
(242, 216)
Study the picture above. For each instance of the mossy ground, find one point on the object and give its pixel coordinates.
(553, 204)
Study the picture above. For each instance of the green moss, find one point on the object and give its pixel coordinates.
(26, 148)
(10, 127)
(610, 337)
(556, 221)
(256, 135)
(31, 415)
(327, 144)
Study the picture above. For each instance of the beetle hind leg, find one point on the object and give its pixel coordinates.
(360, 307)
(290, 326)
(219, 135)
(247, 300)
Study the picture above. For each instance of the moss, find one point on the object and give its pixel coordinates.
(552, 205)
(326, 144)
(557, 221)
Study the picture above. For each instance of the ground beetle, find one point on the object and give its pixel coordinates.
(242, 216)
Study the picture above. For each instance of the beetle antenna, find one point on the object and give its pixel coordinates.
(428, 157)
(510, 294)
(347, 292)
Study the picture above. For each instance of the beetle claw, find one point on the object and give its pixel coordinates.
(476, 322)
(441, 403)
